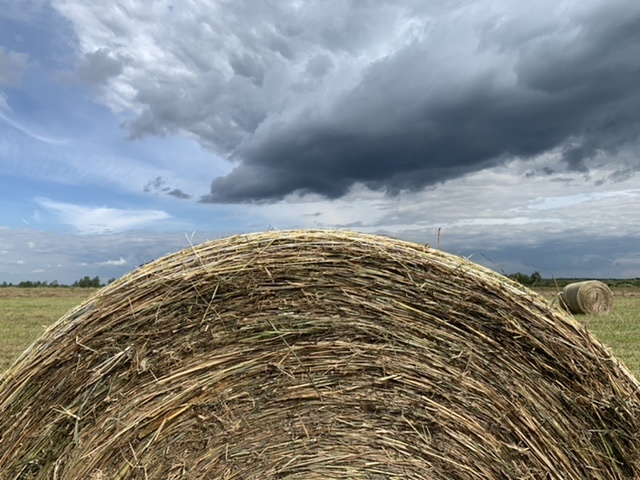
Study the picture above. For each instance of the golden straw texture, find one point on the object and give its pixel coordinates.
(592, 297)
(316, 355)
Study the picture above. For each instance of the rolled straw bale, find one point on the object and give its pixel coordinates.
(317, 354)
(592, 297)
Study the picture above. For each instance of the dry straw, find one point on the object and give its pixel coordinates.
(592, 297)
(314, 355)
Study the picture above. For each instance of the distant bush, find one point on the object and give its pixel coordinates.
(533, 280)
(87, 282)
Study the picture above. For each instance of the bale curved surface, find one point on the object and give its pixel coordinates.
(317, 354)
(591, 297)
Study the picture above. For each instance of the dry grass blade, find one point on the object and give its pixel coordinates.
(317, 354)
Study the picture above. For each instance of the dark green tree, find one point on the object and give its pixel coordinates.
(87, 282)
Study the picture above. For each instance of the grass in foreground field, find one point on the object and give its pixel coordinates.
(620, 330)
(25, 313)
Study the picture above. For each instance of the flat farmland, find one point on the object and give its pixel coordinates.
(26, 312)
(620, 330)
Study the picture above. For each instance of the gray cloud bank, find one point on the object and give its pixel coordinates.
(27, 254)
(311, 97)
(99, 66)
(46, 256)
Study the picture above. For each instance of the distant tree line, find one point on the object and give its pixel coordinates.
(533, 280)
(536, 280)
(84, 282)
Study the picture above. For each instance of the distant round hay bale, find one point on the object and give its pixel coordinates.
(317, 354)
(592, 297)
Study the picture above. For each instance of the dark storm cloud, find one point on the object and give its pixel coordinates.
(176, 192)
(159, 185)
(309, 98)
(319, 66)
(248, 66)
(578, 93)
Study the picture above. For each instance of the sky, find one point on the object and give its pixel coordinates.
(504, 131)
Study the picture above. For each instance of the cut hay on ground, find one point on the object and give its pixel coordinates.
(315, 354)
(592, 297)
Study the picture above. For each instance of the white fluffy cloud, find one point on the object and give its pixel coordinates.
(113, 263)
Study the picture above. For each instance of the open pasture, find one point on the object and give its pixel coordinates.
(26, 312)
(620, 330)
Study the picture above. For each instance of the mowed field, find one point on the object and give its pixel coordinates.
(620, 330)
(25, 313)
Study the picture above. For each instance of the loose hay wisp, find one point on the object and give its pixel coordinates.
(592, 297)
(315, 354)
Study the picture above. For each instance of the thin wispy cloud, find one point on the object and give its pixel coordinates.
(552, 203)
(3, 101)
(94, 220)
(30, 132)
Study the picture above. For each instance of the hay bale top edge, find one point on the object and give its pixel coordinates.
(308, 342)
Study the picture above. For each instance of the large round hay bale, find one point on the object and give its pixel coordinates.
(592, 297)
(315, 354)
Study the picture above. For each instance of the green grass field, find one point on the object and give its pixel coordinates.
(620, 330)
(25, 313)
